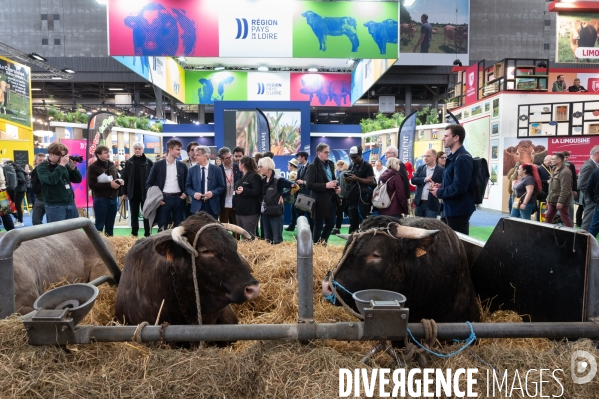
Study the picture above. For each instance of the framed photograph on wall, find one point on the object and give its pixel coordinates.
(494, 149)
(495, 108)
(494, 172)
(495, 129)
(560, 112)
(487, 106)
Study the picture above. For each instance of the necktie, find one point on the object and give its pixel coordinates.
(202, 180)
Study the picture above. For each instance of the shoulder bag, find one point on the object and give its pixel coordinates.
(304, 203)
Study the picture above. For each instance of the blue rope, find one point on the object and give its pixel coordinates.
(471, 338)
(332, 298)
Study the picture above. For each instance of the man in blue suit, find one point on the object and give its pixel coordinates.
(169, 176)
(205, 184)
(427, 205)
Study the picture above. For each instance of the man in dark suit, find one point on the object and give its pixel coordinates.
(231, 174)
(205, 184)
(589, 203)
(427, 205)
(169, 175)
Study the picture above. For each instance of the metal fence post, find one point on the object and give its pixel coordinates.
(305, 271)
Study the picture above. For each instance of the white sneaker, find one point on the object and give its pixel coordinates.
(19, 224)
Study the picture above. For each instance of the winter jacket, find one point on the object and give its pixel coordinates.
(560, 187)
(56, 183)
(102, 190)
(395, 184)
(316, 180)
(129, 177)
(457, 199)
(21, 179)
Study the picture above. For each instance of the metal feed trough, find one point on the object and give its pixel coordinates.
(385, 317)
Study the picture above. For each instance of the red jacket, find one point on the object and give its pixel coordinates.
(395, 184)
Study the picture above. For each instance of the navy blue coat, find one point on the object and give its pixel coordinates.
(418, 181)
(216, 184)
(157, 175)
(457, 199)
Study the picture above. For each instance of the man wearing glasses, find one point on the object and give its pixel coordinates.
(56, 175)
(205, 184)
(231, 174)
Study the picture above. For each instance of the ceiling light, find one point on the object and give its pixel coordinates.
(263, 69)
(56, 78)
(350, 62)
(182, 59)
(219, 68)
(333, 121)
(89, 112)
(67, 70)
(312, 69)
(35, 89)
(37, 57)
(115, 88)
(245, 68)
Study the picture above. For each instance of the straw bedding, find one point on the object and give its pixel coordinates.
(253, 369)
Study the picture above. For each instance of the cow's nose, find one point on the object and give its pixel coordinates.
(252, 291)
(326, 288)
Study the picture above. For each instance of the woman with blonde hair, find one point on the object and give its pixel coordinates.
(395, 189)
(272, 200)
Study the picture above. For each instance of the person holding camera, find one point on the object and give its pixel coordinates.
(103, 180)
(360, 184)
(56, 175)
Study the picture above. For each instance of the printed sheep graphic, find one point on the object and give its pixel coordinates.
(156, 31)
(333, 26)
(383, 33)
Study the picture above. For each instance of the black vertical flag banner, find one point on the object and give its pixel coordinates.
(263, 131)
(406, 134)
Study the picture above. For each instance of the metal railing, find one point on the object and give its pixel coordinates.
(12, 239)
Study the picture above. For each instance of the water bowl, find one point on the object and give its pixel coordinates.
(364, 297)
(79, 298)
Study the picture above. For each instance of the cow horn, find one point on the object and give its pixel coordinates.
(344, 236)
(413, 233)
(181, 240)
(236, 229)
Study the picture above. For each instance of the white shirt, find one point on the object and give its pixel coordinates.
(377, 174)
(171, 184)
(205, 171)
(229, 184)
(429, 172)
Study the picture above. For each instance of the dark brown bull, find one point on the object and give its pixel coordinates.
(423, 259)
(160, 268)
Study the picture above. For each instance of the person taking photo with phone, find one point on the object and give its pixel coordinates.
(103, 180)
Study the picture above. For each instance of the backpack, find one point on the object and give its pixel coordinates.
(380, 196)
(11, 177)
(480, 179)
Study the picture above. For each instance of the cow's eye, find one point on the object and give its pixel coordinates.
(207, 252)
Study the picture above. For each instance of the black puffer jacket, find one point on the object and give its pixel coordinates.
(21, 178)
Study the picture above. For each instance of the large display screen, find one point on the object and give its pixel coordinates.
(445, 32)
(15, 93)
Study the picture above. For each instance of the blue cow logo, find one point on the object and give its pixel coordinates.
(260, 88)
(383, 33)
(206, 94)
(157, 31)
(242, 28)
(332, 26)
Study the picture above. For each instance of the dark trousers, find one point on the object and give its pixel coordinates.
(461, 224)
(357, 214)
(30, 197)
(7, 222)
(340, 210)
(173, 209)
(38, 212)
(227, 215)
(105, 213)
(18, 200)
(294, 216)
(324, 225)
(134, 205)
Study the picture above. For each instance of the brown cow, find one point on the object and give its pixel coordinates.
(460, 38)
(408, 29)
(457, 34)
(159, 268)
(583, 34)
(61, 257)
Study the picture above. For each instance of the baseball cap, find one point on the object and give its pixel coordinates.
(355, 150)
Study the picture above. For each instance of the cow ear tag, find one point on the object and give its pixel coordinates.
(420, 252)
(169, 255)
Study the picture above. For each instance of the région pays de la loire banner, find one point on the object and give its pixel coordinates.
(210, 28)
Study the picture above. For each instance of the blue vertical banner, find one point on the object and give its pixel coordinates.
(407, 132)
(263, 131)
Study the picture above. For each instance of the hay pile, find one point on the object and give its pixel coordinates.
(251, 369)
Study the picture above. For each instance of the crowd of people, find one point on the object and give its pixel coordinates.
(247, 191)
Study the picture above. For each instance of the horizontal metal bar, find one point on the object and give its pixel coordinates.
(337, 331)
(103, 279)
